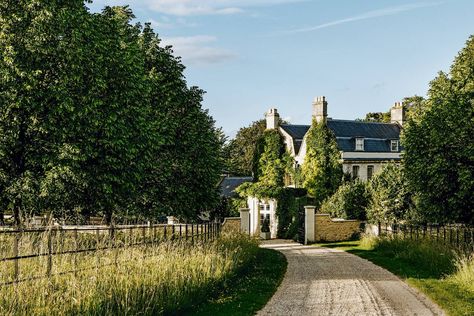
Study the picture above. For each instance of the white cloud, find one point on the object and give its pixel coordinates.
(198, 50)
(370, 15)
(198, 7)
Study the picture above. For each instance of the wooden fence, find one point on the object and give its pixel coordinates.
(18, 247)
(458, 236)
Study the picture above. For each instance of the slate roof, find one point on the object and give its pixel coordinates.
(376, 136)
(229, 184)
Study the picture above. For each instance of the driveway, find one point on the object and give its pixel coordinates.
(322, 281)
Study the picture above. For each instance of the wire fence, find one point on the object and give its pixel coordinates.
(31, 254)
(457, 236)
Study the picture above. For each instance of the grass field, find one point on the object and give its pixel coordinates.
(441, 274)
(250, 290)
(148, 280)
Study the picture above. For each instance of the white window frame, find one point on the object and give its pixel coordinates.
(359, 144)
(392, 144)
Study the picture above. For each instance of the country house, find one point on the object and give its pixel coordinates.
(364, 148)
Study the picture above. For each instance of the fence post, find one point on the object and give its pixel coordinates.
(186, 232)
(16, 241)
(97, 245)
(172, 231)
(50, 256)
(180, 232)
(76, 247)
(165, 232)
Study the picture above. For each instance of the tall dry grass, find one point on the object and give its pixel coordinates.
(146, 280)
(437, 260)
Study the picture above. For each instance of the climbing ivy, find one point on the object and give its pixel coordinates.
(322, 170)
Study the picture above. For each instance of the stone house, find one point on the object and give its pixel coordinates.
(364, 147)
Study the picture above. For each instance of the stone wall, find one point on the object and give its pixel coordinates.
(231, 225)
(327, 229)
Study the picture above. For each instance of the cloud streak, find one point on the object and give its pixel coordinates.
(369, 15)
(198, 50)
(198, 7)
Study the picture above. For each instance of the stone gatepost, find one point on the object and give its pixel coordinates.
(309, 225)
(245, 220)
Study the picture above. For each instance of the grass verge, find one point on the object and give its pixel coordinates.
(444, 276)
(250, 290)
(146, 280)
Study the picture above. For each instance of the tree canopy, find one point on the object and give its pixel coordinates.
(439, 147)
(97, 118)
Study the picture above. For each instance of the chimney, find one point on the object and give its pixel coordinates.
(273, 119)
(320, 109)
(397, 113)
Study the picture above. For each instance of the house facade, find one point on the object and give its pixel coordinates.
(364, 147)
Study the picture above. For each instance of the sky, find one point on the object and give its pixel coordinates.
(252, 55)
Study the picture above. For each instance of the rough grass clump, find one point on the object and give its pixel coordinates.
(464, 275)
(436, 259)
(163, 279)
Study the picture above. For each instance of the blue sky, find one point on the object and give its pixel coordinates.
(363, 55)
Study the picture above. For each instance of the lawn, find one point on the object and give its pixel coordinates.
(433, 269)
(250, 290)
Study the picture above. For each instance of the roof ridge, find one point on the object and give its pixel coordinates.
(361, 122)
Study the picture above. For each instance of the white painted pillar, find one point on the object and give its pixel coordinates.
(309, 229)
(244, 220)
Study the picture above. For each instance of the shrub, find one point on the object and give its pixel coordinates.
(390, 198)
(349, 201)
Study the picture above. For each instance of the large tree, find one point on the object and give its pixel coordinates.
(35, 45)
(439, 147)
(321, 170)
(241, 155)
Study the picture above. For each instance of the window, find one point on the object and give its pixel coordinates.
(394, 145)
(370, 172)
(355, 172)
(359, 144)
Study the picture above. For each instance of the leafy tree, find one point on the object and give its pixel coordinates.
(187, 153)
(321, 170)
(241, 151)
(390, 198)
(382, 117)
(349, 202)
(35, 38)
(439, 151)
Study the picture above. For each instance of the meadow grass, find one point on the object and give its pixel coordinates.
(441, 273)
(143, 280)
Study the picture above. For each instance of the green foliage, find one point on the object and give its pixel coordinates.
(242, 151)
(290, 202)
(271, 168)
(322, 171)
(97, 118)
(382, 117)
(349, 202)
(390, 198)
(439, 151)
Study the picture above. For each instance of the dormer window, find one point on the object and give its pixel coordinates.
(359, 144)
(394, 145)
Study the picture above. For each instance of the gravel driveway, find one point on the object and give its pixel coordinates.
(322, 281)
